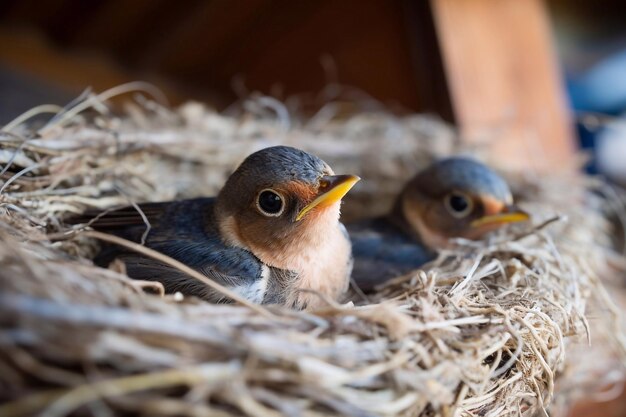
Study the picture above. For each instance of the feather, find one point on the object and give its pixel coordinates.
(383, 251)
(185, 231)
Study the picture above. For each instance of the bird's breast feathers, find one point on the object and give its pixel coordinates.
(324, 268)
(319, 255)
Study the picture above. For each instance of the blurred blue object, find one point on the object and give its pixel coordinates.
(602, 89)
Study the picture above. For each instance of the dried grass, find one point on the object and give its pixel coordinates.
(489, 328)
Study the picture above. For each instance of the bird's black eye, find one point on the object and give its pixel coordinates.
(458, 204)
(270, 203)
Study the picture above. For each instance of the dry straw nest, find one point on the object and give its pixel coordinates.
(486, 329)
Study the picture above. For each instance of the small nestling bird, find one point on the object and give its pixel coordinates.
(454, 197)
(273, 230)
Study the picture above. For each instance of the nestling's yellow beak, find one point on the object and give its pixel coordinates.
(510, 214)
(332, 189)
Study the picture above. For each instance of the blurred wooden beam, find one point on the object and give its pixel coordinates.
(503, 78)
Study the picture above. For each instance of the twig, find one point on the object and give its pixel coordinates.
(178, 265)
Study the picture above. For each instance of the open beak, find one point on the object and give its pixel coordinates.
(332, 189)
(510, 214)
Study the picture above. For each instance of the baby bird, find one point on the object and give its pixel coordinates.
(454, 197)
(273, 230)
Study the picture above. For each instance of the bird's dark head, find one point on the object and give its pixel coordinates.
(280, 197)
(457, 197)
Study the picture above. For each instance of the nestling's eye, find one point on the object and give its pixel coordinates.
(458, 204)
(270, 203)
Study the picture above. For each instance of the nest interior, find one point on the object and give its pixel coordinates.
(490, 328)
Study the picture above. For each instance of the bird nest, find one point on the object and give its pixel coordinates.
(485, 329)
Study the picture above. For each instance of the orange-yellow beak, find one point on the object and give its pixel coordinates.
(510, 214)
(332, 189)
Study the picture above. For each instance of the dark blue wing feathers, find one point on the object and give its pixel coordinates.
(183, 230)
(383, 251)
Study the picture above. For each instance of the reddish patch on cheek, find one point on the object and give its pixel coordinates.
(491, 205)
(303, 192)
